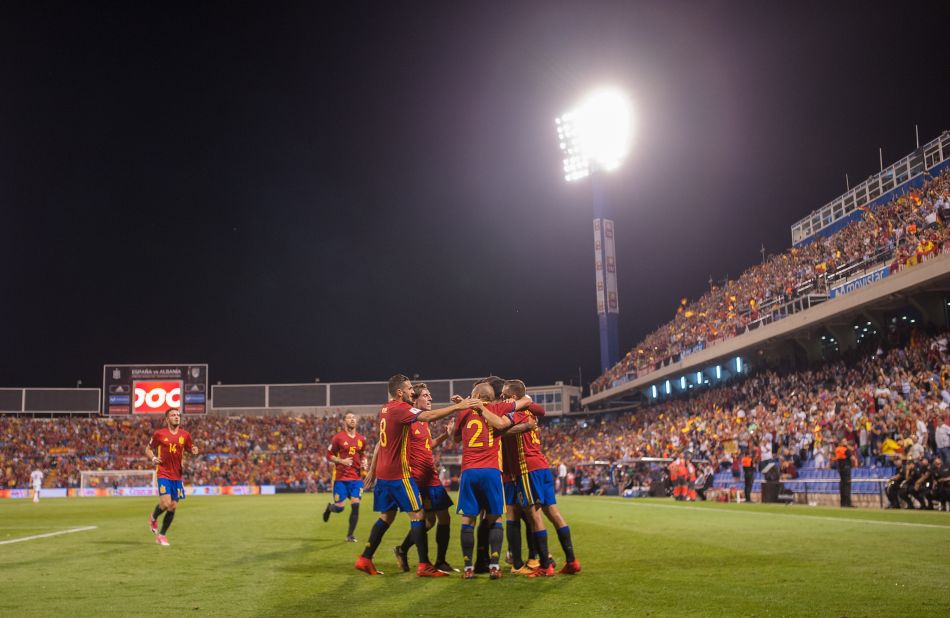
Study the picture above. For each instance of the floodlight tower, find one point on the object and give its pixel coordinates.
(595, 138)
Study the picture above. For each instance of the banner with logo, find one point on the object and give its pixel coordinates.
(134, 492)
(599, 279)
(610, 267)
(46, 492)
(860, 282)
(154, 389)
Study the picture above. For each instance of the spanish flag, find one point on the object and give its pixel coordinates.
(867, 212)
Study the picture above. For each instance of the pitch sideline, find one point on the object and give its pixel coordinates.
(48, 534)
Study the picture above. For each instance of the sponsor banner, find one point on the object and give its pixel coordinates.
(51, 492)
(599, 283)
(696, 348)
(103, 492)
(136, 491)
(226, 490)
(154, 389)
(610, 267)
(860, 282)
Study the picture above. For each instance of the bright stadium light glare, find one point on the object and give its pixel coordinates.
(596, 134)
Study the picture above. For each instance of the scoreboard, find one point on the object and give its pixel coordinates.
(154, 389)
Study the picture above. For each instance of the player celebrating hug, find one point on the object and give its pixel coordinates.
(395, 487)
(478, 429)
(435, 500)
(170, 444)
(536, 490)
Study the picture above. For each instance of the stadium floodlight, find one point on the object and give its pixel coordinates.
(596, 134)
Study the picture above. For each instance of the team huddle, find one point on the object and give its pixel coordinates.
(504, 473)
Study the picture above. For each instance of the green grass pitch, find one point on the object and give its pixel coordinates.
(274, 556)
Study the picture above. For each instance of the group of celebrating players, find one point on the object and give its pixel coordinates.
(504, 472)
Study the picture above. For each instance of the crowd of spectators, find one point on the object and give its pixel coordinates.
(261, 450)
(892, 401)
(892, 398)
(901, 233)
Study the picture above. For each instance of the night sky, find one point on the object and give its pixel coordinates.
(289, 191)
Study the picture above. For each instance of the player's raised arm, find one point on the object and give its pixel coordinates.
(433, 415)
(445, 435)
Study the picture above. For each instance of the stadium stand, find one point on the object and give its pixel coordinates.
(901, 233)
(287, 451)
(889, 403)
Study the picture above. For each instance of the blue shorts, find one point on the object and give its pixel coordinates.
(537, 487)
(439, 499)
(171, 488)
(481, 489)
(402, 494)
(511, 490)
(347, 489)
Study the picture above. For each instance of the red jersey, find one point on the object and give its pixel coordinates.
(169, 447)
(342, 445)
(530, 457)
(481, 448)
(509, 449)
(395, 419)
(421, 461)
(511, 459)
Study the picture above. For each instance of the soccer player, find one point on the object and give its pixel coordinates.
(480, 485)
(347, 452)
(394, 486)
(435, 500)
(514, 513)
(36, 482)
(536, 487)
(170, 443)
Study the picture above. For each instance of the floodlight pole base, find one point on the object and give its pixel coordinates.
(609, 341)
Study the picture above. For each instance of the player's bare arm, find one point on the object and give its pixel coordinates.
(433, 415)
(529, 425)
(442, 437)
(370, 479)
(499, 423)
(151, 455)
(523, 402)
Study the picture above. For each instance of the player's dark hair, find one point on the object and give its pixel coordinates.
(396, 382)
(495, 383)
(516, 388)
(417, 389)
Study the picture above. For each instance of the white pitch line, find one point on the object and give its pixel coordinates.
(48, 534)
(799, 516)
